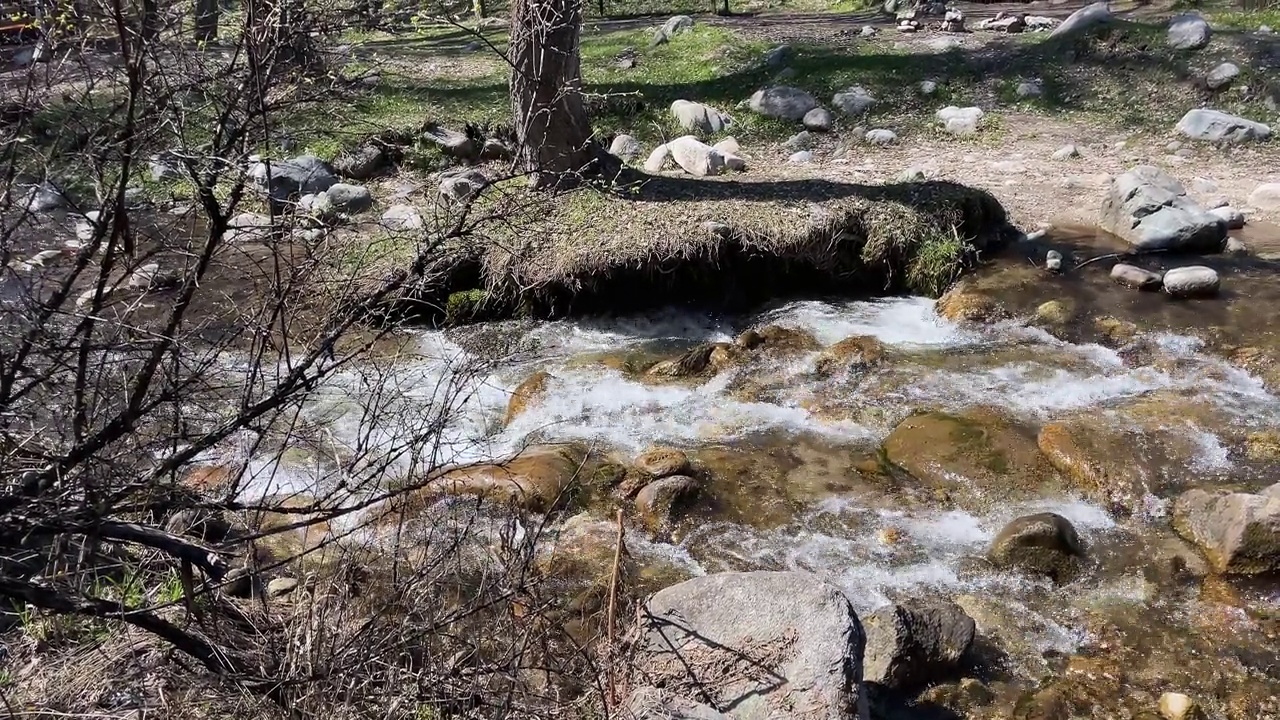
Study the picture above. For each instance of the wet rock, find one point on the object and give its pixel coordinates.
(1132, 276)
(693, 363)
(963, 303)
(1053, 261)
(786, 103)
(1084, 19)
(804, 157)
(819, 119)
(1266, 197)
(362, 163)
(659, 501)
(803, 140)
(778, 339)
(1045, 543)
(657, 159)
(698, 636)
(401, 218)
(881, 137)
(972, 457)
(579, 568)
(909, 646)
(663, 462)
(1176, 706)
(697, 117)
(1221, 75)
(856, 352)
(1151, 210)
(538, 479)
(696, 157)
(1233, 218)
(1239, 533)
(958, 120)
(626, 147)
(530, 391)
(1054, 312)
(964, 697)
(1236, 246)
(1097, 460)
(854, 101)
(1218, 126)
(1066, 152)
(1191, 282)
(1263, 445)
(1189, 32)
(281, 586)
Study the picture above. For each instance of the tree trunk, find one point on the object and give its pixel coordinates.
(150, 19)
(207, 12)
(553, 133)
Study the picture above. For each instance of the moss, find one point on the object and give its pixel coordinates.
(465, 306)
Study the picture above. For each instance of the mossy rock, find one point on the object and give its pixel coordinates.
(466, 306)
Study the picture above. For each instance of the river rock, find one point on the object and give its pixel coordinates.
(696, 157)
(291, 178)
(1191, 281)
(969, 457)
(881, 137)
(657, 159)
(1189, 32)
(909, 646)
(1266, 197)
(661, 462)
(1218, 126)
(755, 645)
(537, 479)
(1045, 543)
(1233, 218)
(701, 118)
(958, 120)
(530, 391)
(1084, 19)
(658, 502)
(1238, 532)
(1176, 706)
(786, 103)
(1221, 75)
(963, 302)
(1152, 211)
(402, 218)
(854, 101)
(819, 119)
(626, 147)
(1132, 276)
(777, 339)
(361, 163)
(1096, 459)
(852, 353)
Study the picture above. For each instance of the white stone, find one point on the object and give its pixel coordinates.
(1191, 281)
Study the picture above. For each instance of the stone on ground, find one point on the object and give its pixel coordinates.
(1222, 75)
(803, 140)
(803, 157)
(1132, 276)
(462, 185)
(1266, 197)
(1084, 19)
(1191, 282)
(399, 218)
(854, 101)
(1231, 216)
(657, 159)
(912, 645)
(1066, 152)
(1189, 32)
(1045, 543)
(777, 56)
(291, 178)
(881, 136)
(785, 103)
(927, 87)
(1151, 210)
(696, 157)
(755, 645)
(453, 143)
(818, 119)
(672, 27)
(698, 117)
(1029, 89)
(345, 198)
(728, 145)
(626, 147)
(1238, 532)
(360, 164)
(1218, 126)
(958, 120)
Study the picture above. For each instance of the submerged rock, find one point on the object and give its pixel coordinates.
(1191, 282)
(1176, 706)
(531, 390)
(857, 352)
(1239, 533)
(660, 462)
(1097, 459)
(963, 303)
(1152, 211)
(758, 644)
(912, 645)
(658, 502)
(1045, 543)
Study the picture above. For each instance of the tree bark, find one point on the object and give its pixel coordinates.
(553, 133)
(207, 12)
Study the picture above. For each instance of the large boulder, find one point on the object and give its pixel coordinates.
(538, 479)
(1097, 460)
(853, 353)
(786, 103)
(659, 502)
(1044, 543)
(1152, 211)
(912, 645)
(696, 117)
(1218, 126)
(1238, 532)
(1189, 32)
(287, 179)
(755, 645)
(696, 157)
(1084, 19)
